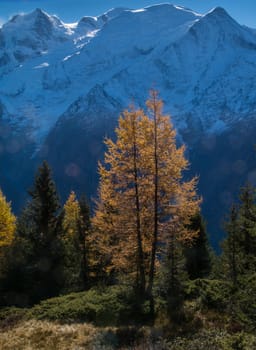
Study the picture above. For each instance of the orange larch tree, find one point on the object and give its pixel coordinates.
(143, 200)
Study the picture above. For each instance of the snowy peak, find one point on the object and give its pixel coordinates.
(28, 36)
(218, 16)
(38, 23)
(217, 26)
(170, 10)
(185, 54)
(44, 24)
(112, 13)
(142, 31)
(32, 21)
(171, 14)
(218, 12)
(87, 24)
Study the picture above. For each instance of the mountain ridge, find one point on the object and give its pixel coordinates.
(61, 76)
(109, 50)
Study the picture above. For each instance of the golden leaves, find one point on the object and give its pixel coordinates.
(144, 153)
(7, 222)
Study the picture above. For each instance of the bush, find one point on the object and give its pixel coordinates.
(239, 341)
(212, 293)
(245, 301)
(214, 340)
(10, 316)
(108, 306)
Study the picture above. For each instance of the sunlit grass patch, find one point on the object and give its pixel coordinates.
(34, 334)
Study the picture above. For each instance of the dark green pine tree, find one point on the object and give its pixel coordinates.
(239, 247)
(38, 232)
(197, 255)
(247, 228)
(230, 258)
(76, 224)
(247, 254)
(84, 228)
(239, 256)
(175, 277)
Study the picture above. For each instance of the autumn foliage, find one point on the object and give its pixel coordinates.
(143, 200)
(7, 222)
(7, 229)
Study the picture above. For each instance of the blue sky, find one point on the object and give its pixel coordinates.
(244, 11)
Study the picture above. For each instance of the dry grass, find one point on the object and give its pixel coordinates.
(42, 335)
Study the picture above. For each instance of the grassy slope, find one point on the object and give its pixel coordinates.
(44, 335)
(102, 320)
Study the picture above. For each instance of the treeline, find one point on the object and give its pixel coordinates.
(43, 250)
(146, 232)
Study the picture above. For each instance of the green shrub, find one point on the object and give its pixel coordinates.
(245, 301)
(10, 316)
(108, 306)
(212, 293)
(214, 340)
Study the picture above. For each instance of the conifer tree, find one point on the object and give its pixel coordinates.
(38, 236)
(197, 253)
(239, 248)
(142, 194)
(84, 230)
(174, 199)
(75, 228)
(247, 227)
(239, 256)
(230, 256)
(117, 223)
(174, 276)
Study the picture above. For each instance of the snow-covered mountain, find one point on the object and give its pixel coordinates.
(194, 60)
(63, 85)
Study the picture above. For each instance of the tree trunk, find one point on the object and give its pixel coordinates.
(155, 232)
(140, 256)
